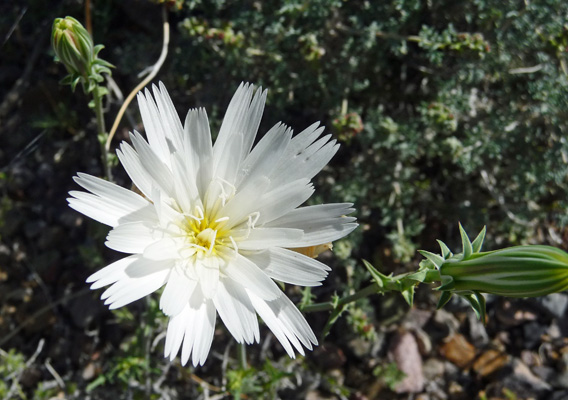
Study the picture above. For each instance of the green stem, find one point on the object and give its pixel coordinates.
(328, 306)
(101, 131)
(395, 285)
(242, 355)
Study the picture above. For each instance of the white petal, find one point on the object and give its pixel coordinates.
(132, 237)
(251, 121)
(112, 272)
(185, 186)
(245, 202)
(134, 168)
(109, 203)
(176, 331)
(226, 166)
(265, 155)
(320, 224)
(286, 323)
(153, 125)
(207, 270)
(309, 214)
(169, 118)
(290, 267)
(199, 329)
(236, 112)
(306, 163)
(283, 199)
(154, 166)
(128, 290)
(205, 325)
(177, 292)
(198, 149)
(263, 238)
(246, 273)
(236, 311)
(168, 248)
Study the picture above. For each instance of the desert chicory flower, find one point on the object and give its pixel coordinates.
(216, 224)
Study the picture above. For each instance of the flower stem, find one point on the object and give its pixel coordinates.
(395, 284)
(328, 306)
(101, 131)
(242, 355)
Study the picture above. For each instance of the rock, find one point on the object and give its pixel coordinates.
(523, 372)
(477, 331)
(489, 362)
(559, 395)
(404, 351)
(458, 350)
(555, 303)
(533, 332)
(329, 356)
(514, 313)
(433, 368)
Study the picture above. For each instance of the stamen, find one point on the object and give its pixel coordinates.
(253, 219)
(235, 247)
(200, 213)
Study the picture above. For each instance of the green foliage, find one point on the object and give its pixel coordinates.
(257, 383)
(389, 374)
(12, 363)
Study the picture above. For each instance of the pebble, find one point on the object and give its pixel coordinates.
(458, 350)
(404, 351)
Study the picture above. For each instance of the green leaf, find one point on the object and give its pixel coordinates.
(478, 242)
(437, 260)
(380, 279)
(444, 298)
(466, 244)
(446, 252)
(477, 302)
(408, 295)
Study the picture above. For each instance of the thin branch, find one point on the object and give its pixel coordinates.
(155, 68)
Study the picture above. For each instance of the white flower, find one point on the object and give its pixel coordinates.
(215, 224)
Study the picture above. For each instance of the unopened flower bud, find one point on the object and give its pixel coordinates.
(520, 271)
(72, 45)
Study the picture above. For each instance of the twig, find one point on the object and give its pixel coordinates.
(16, 375)
(88, 23)
(526, 70)
(54, 373)
(155, 68)
(14, 25)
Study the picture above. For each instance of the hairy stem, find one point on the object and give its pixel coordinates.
(101, 132)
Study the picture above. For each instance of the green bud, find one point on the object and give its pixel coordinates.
(520, 271)
(73, 45)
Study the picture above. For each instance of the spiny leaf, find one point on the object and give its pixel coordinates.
(408, 295)
(446, 252)
(444, 298)
(380, 279)
(434, 258)
(466, 244)
(478, 242)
